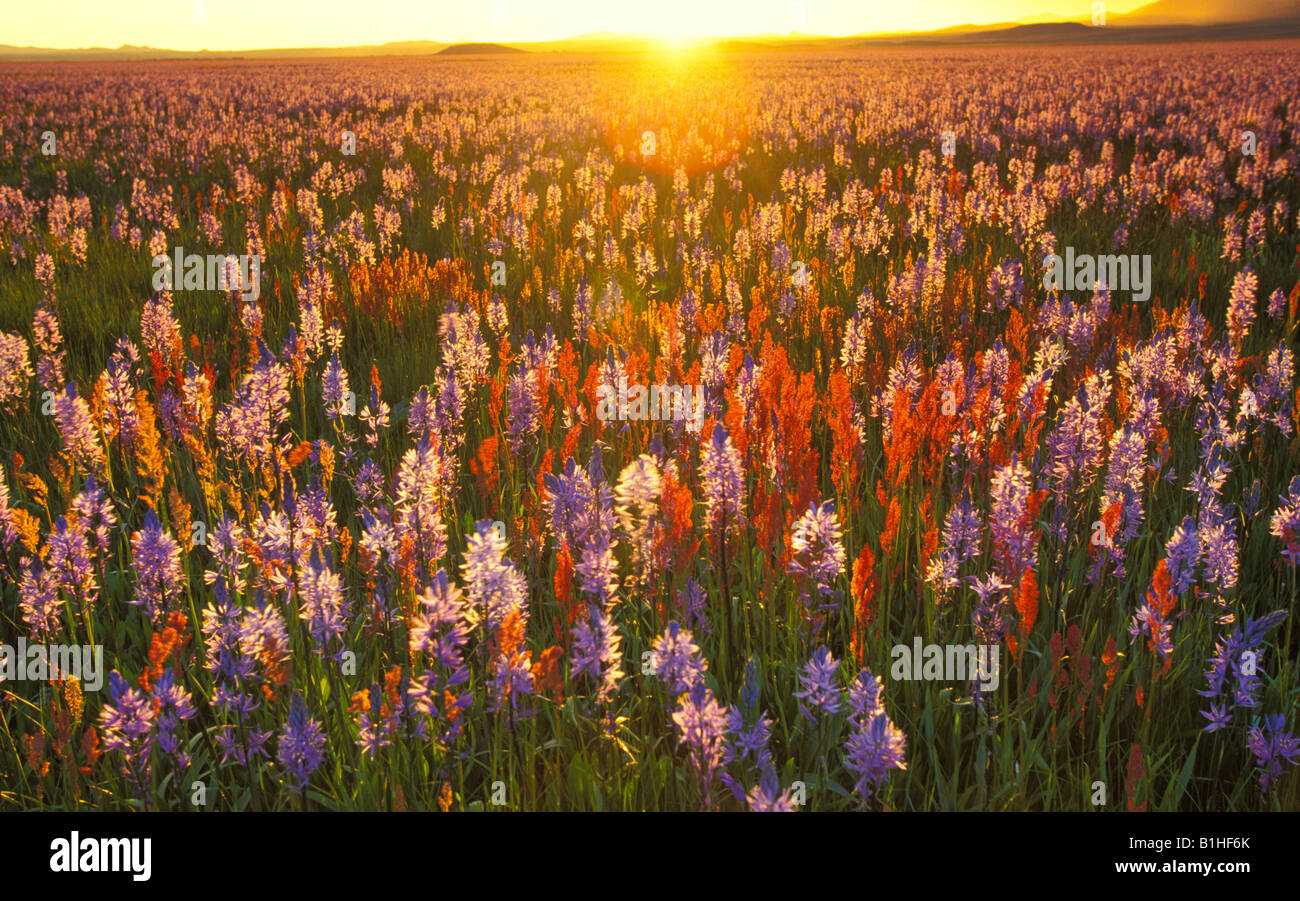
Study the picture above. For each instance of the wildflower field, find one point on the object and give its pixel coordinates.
(619, 432)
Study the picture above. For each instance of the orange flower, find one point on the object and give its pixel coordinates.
(484, 465)
(90, 748)
(839, 416)
(1027, 603)
(1133, 777)
(783, 423)
(164, 646)
(564, 590)
(547, 675)
(34, 746)
(298, 454)
(1160, 596)
(677, 539)
(863, 588)
(453, 709)
(1110, 658)
(891, 527)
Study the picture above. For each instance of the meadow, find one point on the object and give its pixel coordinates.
(369, 538)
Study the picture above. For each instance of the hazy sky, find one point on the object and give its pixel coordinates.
(252, 24)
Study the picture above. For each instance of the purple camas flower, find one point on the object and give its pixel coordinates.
(119, 415)
(226, 544)
(1148, 623)
(750, 688)
(714, 352)
(816, 549)
(1005, 284)
(905, 379)
(1238, 656)
(370, 484)
(323, 605)
(48, 341)
(263, 637)
(494, 586)
(767, 796)
(302, 744)
(440, 629)
(248, 425)
(820, 684)
(71, 562)
(865, 696)
(676, 659)
(989, 625)
(421, 484)
(127, 725)
(375, 727)
(77, 430)
(1015, 541)
(422, 416)
(596, 653)
(272, 533)
(334, 389)
(876, 745)
(375, 416)
(1285, 522)
(1277, 304)
(638, 491)
(134, 721)
(1273, 389)
(751, 740)
(224, 656)
(159, 332)
(15, 370)
(702, 727)
(1219, 547)
(962, 532)
(173, 704)
(525, 411)
(694, 605)
(38, 600)
(157, 560)
(96, 513)
(1182, 555)
(511, 682)
(569, 497)
(1241, 306)
(1271, 746)
(597, 567)
(1125, 477)
(1076, 447)
(242, 746)
(723, 476)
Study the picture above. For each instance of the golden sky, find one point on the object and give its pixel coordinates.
(253, 24)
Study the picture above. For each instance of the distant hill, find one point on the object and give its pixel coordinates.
(1178, 12)
(1077, 33)
(466, 49)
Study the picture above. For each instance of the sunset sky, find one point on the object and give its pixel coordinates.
(253, 24)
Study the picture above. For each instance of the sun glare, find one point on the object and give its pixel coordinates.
(679, 41)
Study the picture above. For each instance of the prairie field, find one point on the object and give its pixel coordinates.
(889, 430)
